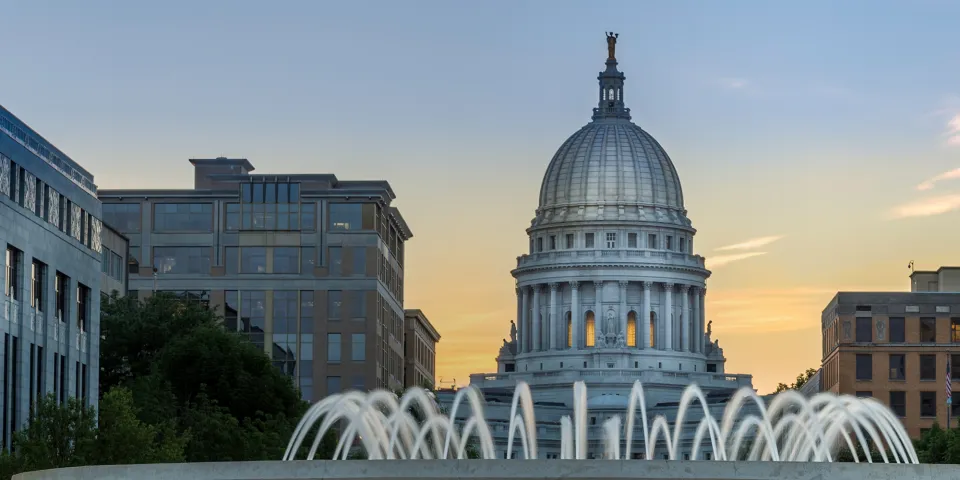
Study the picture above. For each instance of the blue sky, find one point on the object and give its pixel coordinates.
(809, 121)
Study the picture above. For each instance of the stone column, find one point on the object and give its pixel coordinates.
(703, 317)
(527, 327)
(697, 334)
(667, 317)
(623, 310)
(576, 317)
(644, 334)
(520, 336)
(537, 336)
(686, 323)
(554, 317)
(598, 308)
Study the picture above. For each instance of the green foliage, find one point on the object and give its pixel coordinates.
(936, 445)
(57, 435)
(176, 386)
(802, 379)
(123, 438)
(68, 435)
(180, 363)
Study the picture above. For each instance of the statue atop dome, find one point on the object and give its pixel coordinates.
(612, 45)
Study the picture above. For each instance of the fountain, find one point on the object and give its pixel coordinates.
(791, 428)
(411, 438)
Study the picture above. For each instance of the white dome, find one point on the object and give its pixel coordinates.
(611, 162)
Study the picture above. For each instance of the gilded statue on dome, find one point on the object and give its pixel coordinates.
(612, 45)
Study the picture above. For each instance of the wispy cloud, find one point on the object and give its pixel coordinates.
(951, 175)
(734, 83)
(953, 131)
(928, 206)
(752, 243)
(721, 260)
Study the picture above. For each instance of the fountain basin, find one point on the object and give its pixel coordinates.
(502, 469)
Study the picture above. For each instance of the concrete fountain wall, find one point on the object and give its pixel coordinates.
(504, 469)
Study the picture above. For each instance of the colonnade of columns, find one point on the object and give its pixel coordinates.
(544, 326)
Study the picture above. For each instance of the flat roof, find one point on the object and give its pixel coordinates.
(422, 318)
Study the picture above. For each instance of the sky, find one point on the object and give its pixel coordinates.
(818, 142)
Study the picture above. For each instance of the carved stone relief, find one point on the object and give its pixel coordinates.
(54, 206)
(95, 227)
(4, 175)
(75, 221)
(847, 330)
(881, 329)
(30, 193)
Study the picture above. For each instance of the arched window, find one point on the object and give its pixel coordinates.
(653, 329)
(632, 329)
(591, 330)
(610, 95)
(619, 93)
(569, 330)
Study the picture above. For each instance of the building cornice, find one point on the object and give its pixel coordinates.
(595, 265)
(424, 321)
(588, 225)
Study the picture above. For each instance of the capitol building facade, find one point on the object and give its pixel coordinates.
(611, 290)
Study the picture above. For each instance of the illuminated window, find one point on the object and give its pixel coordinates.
(653, 329)
(569, 330)
(632, 329)
(591, 330)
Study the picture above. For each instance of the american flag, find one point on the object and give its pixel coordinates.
(949, 382)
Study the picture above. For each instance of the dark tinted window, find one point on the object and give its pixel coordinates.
(928, 404)
(345, 216)
(928, 367)
(183, 217)
(897, 330)
(928, 330)
(864, 366)
(898, 366)
(864, 329)
(898, 403)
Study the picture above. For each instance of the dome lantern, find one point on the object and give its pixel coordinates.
(611, 86)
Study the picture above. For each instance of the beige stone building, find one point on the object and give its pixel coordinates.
(420, 349)
(896, 347)
(308, 266)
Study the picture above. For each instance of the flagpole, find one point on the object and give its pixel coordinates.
(949, 392)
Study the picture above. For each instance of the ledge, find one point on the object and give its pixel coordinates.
(502, 469)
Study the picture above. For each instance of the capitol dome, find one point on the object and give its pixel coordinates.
(611, 169)
(611, 290)
(611, 162)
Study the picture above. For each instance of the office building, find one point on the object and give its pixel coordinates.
(307, 266)
(420, 349)
(896, 347)
(50, 314)
(114, 269)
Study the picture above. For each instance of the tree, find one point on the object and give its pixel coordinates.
(57, 435)
(123, 439)
(802, 379)
(222, 393)
(67, 435)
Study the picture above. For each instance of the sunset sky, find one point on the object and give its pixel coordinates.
(818, 142)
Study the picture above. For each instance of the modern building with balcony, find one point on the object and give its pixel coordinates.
(420, 349)
(50, 314)
(611, 291)
(308, 266)
(897, 347)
